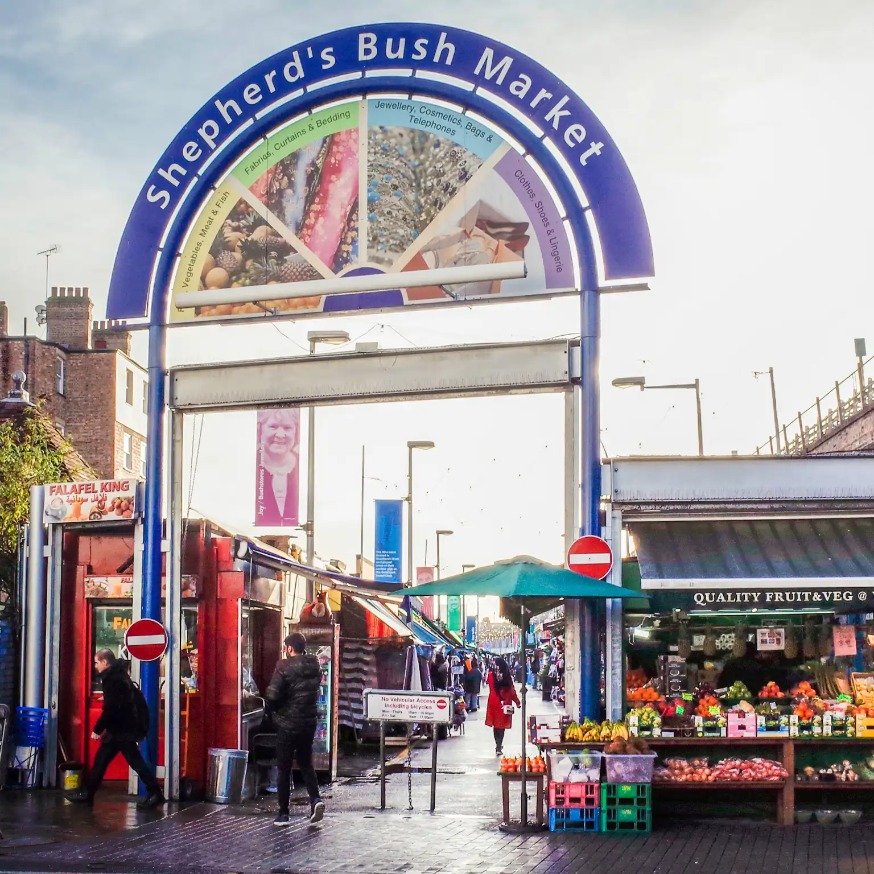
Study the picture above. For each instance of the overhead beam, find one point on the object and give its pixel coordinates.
(384, 375)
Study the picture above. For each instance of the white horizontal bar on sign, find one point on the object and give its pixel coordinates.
(143, 639)
(590, 558)
(351, 284)
(706, 584)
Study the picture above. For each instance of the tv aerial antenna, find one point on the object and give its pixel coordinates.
(52, 250)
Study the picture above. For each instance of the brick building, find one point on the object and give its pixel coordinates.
(88, 384)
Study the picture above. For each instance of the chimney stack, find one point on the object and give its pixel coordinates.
(68, 317)
(111, 335)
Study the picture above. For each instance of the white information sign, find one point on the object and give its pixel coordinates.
(397, 705)
(770, 639)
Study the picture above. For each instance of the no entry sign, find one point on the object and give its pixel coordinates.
(146, 640)
(590, 556)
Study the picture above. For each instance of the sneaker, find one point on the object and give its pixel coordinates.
(153, 799)
(282, 819)
(318, 811)
(80, 796)
(499, 751)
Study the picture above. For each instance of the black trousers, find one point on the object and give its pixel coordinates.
(290, 746)
(109, 748)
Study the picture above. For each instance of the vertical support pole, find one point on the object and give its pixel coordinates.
(838, 397)
(53, 652)
(173, 609)
(311, 491)
(523, 805)
(152, 515)
(381, 765)
(410, 520)
(35, 605)
(774, 405)
(434, 769)
(590, 464)
(361, 542)
(698, 412)
(615, 625)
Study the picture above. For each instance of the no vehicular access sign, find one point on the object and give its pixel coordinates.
(391, 705)
(146, 640)
(590, 556)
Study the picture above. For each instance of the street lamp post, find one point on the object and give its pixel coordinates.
(640, 382)
(411, 445)
(442, 533)
(334, 338)
(770, 372)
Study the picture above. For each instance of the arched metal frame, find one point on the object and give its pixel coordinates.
(375, 83)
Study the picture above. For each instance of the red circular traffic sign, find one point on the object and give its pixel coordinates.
(441, 703)
(590, 556)
(146, 640)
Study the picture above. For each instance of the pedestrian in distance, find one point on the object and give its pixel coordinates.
(292, 698)
(472, 682)
(499, 707)
(123, 722)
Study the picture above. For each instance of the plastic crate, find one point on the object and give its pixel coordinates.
(570, 795)
(630, 768)
(30, 726)
(626, 819)
(626, 795)
(574, 819)
(586, 765)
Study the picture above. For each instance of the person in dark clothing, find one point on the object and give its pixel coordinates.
(292, 698)
(748, 669)
(471, 682)
(116, 729)
(439, 672)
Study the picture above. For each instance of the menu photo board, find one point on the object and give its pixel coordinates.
(91, 501)
(770, 639)
(122, 586)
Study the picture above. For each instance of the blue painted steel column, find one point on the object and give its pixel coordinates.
(590, 472)
(152, 514)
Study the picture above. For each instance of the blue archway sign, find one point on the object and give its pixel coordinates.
(500, 85)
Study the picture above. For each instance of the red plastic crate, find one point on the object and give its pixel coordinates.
(567, 795)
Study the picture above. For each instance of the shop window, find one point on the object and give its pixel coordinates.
(109, 623)
(129, 387)
(61, 374)
(128, 449)
(143, 459)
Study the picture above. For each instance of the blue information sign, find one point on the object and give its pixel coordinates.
(389, 535)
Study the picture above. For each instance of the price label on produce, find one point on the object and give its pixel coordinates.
(844, 637)
(687, 696)
(680, 710)
(714, 710)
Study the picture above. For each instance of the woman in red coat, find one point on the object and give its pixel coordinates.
(501, 693)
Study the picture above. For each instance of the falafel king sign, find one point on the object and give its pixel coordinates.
(103, 500)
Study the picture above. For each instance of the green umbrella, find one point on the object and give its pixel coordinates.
(527, 586)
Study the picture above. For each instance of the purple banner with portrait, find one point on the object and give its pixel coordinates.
(277, 472)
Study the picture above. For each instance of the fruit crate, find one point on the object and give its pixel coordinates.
(630, 768)
(772, 726)
(626, 795)
(572, 795)
(709, 726)
(864, 726)
(741, 725)
(626, 819)
(574, 819)
(799, 728)
(586, 765)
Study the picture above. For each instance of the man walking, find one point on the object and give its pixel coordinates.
(118, 729)
(292, 697)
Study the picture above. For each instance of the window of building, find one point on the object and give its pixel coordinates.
(143, 459)
(129, 388)
(145, 397)
(128, 447)
(61, 375)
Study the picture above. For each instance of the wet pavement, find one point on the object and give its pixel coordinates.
(45, 833)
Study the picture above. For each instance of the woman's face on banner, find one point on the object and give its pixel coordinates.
(279, 435)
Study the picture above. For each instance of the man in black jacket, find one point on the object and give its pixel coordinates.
(292, 698)
(116, 729)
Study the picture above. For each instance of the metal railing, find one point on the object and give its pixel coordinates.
(849, 399)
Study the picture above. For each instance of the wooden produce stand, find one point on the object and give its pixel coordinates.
(782, 749)
(538, 780)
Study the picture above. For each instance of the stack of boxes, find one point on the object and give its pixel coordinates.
(574, 791)
(626, 807)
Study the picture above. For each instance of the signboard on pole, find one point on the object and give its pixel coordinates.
(590, 556)
(390, 705)
(387, 552)
(277, 477)
(453, 612)
(93, 501)
(146, 640)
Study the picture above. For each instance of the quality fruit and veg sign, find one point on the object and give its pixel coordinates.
(92, 501)
(389, 705)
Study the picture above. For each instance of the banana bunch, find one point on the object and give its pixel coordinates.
(593, 732)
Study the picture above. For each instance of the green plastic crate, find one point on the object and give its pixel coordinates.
(626, 794)
(626, 819)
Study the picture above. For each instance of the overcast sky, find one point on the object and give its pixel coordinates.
(746, 125)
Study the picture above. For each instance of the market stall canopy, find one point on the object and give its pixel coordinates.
(523, 581)
(755, 553)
